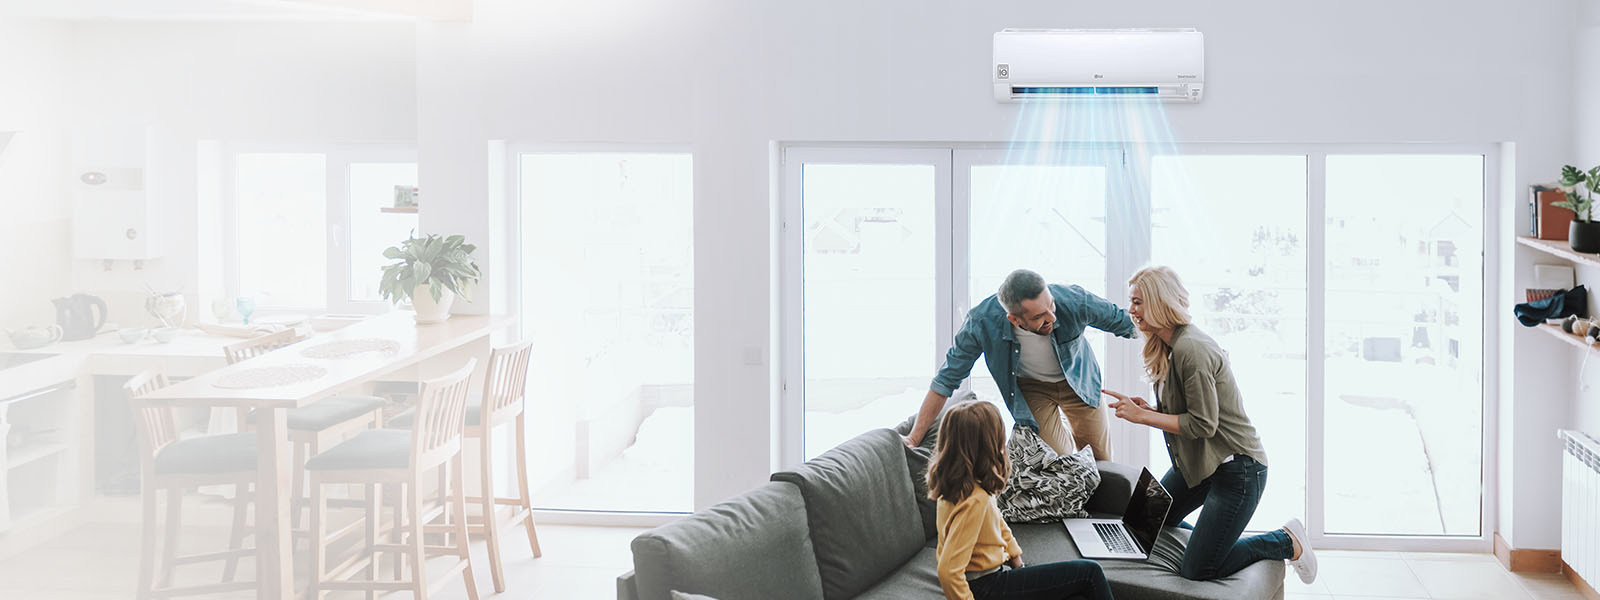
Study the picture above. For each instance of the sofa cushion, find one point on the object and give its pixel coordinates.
(1116, 487)
(861, 509)
(752, 546)
(677, 595)
(1157, 578)
(918, 578)
(1045, 487)
(917, 460)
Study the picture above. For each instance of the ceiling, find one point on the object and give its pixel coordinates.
(239, 10)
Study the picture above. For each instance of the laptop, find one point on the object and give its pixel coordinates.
(1132, 536)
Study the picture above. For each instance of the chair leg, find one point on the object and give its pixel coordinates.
(147, 541)
(419, 570)
(458, 506)
(374, 514)
(397, 531)
(169, 543)
(491, 524)
(236, 532)
(319, 524)
(297, 486)
(522, 482)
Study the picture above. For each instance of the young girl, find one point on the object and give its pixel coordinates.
(978, 558)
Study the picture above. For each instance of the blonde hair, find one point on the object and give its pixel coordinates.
(1166, 305)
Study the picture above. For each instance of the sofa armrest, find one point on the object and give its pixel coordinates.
(626, 588)
(1116, 487)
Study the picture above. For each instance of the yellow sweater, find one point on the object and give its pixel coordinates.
(972, 537)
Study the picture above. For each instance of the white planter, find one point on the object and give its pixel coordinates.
(429, 311)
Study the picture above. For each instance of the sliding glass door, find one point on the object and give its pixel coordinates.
(1346, 284)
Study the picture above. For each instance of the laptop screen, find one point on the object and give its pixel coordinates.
(1147, 509)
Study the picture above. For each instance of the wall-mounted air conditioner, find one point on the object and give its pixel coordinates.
(1099, 64)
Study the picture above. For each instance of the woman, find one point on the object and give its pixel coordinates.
(978, 557)
(1217, 459)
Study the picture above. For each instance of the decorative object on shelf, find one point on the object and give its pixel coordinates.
(405, 196)
(132, 335)
(432, 271)
(34, 336)
(1549, 221)
(165, 335)
(80, 316)
(1571, 302)
(246, 306)
(169, 308)
(1584, 232)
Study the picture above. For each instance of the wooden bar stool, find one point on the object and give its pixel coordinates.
(175, 465)
(400, 457)
(314, 426)
(503, 390)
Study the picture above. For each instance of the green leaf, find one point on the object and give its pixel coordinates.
(1571, 176)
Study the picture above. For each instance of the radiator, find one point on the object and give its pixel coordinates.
(1580, 505)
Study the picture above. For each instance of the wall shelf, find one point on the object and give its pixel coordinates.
(411, 210)
(1575, 340)
(1560, 249)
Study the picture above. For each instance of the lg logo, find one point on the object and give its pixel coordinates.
(1099, 76)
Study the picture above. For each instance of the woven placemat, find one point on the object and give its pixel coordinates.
(349, 348)
(270, 377)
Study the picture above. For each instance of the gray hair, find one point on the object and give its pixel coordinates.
(1020, 285)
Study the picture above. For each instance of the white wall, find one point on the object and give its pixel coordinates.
(727, 78)
(234, 82)
(1586, 121)
(34, 240)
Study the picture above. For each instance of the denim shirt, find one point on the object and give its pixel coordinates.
(988, 332)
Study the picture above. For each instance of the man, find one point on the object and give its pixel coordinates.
(1031, 336)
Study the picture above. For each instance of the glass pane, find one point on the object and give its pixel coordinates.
(1404, 390)
(282, 216)
(869, 297)
(608, 297)
(374, 187)
(1047, 218)
(1241, 252)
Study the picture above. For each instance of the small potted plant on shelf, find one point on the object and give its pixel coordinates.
(432, 271)
(1584, 233)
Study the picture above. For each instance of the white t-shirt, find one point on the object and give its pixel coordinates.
(1039, 361)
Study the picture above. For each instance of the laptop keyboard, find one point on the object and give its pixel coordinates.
(1115, 538)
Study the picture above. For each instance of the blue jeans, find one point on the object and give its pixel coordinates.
(1052, 581)
(1230, 497)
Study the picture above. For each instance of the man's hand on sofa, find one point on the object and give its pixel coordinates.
(1015, 562)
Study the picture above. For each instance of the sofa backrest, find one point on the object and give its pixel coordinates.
(861, 510)
(754, 545)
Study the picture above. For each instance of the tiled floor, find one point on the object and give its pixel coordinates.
(583, 563)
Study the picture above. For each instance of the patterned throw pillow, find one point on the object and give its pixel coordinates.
(1045, 486)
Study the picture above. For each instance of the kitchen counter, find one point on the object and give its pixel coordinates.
(191, 353)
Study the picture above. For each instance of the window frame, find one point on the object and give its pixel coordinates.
(1129, 442)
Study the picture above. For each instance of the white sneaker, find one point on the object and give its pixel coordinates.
(1306, 567)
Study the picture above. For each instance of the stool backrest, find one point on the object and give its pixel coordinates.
(505, 382)
(441, 414)
(156, 424)
(258, 346)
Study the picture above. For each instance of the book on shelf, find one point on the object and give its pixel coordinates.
(1548, 222)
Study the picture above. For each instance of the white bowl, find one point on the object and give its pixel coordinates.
(165, 334)
(132, 335)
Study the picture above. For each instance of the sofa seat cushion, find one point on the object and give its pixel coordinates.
(918, 578)
(754, 545)
(862, 511)
(1157, 578)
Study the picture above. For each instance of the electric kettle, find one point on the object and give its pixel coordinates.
(80, 316)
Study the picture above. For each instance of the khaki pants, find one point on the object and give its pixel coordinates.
(1084, 425)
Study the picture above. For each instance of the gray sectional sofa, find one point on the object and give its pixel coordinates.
(848, 524)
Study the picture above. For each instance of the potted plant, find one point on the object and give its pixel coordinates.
(1584, 233)
(432, 271)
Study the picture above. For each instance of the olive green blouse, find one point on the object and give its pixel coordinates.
(1200, 389)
